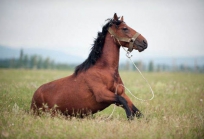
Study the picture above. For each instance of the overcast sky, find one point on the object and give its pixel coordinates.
(171, 27)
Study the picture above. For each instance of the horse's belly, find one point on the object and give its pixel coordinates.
(85, 105)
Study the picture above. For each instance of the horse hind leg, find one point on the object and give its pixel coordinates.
(37, 105)
(34, 109)
(39, 109)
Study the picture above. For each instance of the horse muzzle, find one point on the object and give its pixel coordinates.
(140, 45)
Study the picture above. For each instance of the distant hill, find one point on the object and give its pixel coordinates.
(6, 52)
(57, 56)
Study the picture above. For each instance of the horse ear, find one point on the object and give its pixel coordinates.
(115, 17)
(121, 19)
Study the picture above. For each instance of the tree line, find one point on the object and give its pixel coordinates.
(151, 67)
(38, 62)
(32, 62)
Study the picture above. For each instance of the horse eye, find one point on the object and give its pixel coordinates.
(125, 28)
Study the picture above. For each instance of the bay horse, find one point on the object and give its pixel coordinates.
(92, 86)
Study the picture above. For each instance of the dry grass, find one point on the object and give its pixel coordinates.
(177, 111)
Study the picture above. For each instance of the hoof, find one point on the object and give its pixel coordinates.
(130, 117)
(139, 115)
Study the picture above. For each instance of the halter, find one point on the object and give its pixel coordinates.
(123, 39)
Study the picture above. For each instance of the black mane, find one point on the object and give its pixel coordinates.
(96, 50)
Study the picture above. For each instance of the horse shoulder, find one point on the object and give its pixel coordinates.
(96, 77)
(102, 83)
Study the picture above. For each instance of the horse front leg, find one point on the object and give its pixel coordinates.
(134, 110)
(121, 100)
(106, 96)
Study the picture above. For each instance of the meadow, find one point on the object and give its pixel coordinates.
(176, 112)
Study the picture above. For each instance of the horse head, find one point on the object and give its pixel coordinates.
(126, 36)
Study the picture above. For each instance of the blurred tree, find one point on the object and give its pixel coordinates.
(46, 63)
(40, 62)
(20, 62)
(33, 62)
(151, 66)
(25, 61)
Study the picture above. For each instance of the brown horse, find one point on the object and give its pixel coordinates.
(91, 88)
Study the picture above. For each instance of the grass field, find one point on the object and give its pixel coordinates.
(177, 111)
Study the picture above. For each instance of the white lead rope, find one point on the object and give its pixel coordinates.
(129, 57)
(142, 77)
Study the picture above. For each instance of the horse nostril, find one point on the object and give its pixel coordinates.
(144, 42)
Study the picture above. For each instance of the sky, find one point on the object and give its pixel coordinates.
(173, 28)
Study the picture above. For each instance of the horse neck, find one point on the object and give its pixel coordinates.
(110, 54)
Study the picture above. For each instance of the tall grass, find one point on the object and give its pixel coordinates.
(177, 111)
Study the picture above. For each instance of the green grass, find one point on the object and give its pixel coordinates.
(177, 111)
